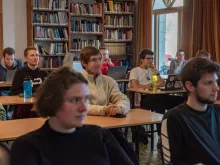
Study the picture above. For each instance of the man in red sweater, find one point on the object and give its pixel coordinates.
(106, 61)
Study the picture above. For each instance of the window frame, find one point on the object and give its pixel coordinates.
(1, 29)
(156, 14)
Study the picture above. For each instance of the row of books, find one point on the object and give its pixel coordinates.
(77, 43)
(111, 34)
(116, 48)
(119, 20)
(51, 4)
(52, 48)
(81, 9)
(50, 62)
(50, 33)
(85, 26)
(111, 6)
(60, 18)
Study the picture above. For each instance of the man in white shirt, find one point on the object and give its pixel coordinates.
(141, 77)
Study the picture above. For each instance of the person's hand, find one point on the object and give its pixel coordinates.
(148, 86)
(153, 68)
(109, 61)
(160, 84)
(112, 109)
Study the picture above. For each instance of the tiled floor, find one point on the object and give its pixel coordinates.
(148, 157)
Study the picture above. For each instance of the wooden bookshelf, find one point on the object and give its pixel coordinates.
(1, 29)
(118, 27)
(45, 21)
(49, 25)
(48, 10)
(86, 15)
(80, 38)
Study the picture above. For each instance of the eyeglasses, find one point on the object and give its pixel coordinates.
(94, 60)
(78, 100)
(149, 58)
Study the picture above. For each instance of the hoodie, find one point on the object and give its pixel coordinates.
(37, 76)
(3, 69)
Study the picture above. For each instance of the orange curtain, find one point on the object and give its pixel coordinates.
(144, 28)
(201, 25)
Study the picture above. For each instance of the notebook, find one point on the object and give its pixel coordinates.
(77, 66)
(10, 76)
(117, 72)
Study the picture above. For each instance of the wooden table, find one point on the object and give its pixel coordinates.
(125, 82)
(12, 129)
(150, 92)
(5, 85)
(15, 100)
(217, 102)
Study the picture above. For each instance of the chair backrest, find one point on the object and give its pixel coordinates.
(4, 154)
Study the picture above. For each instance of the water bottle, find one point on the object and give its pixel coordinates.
(154, 82)
(27, 86)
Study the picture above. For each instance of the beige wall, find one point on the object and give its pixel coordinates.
(15, 25)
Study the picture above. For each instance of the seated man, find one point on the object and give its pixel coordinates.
(191, 131)
(37, 76)
(8, 62)
(203, 54)
(106, 60)
(177, 64)
(105, 96)
(141, 77)
(63, 139)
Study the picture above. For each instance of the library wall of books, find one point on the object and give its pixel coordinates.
(60, 26)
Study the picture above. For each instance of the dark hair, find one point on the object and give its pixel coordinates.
(144, 52)
(27, 49)
(195, 68)
(202, 53)
(49, 96)
(103, 48)
(87, 52)
(9, 51)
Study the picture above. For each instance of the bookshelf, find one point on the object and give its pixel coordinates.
(119, 29)
(48, 30)
(1, 30)
(99, 23)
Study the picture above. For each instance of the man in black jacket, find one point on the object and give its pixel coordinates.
(32, 70)
(37, 76)
(191, 131)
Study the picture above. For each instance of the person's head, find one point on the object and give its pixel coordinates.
(180, 55)
(91, 59)
(203, 54)
(31, 56)
(199, 77)
(9, 56)
(146, 57)
(105, 53)
(64, 96)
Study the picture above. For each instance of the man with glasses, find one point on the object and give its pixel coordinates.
(105, 96)
(141, 77)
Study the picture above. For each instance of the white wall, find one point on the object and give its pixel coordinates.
(15, 26)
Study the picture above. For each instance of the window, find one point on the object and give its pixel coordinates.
(166, 39)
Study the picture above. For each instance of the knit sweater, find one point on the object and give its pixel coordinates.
(88, 145)
(104, 91)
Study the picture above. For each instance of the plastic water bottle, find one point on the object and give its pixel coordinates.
(27, 86)
(154, 82)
